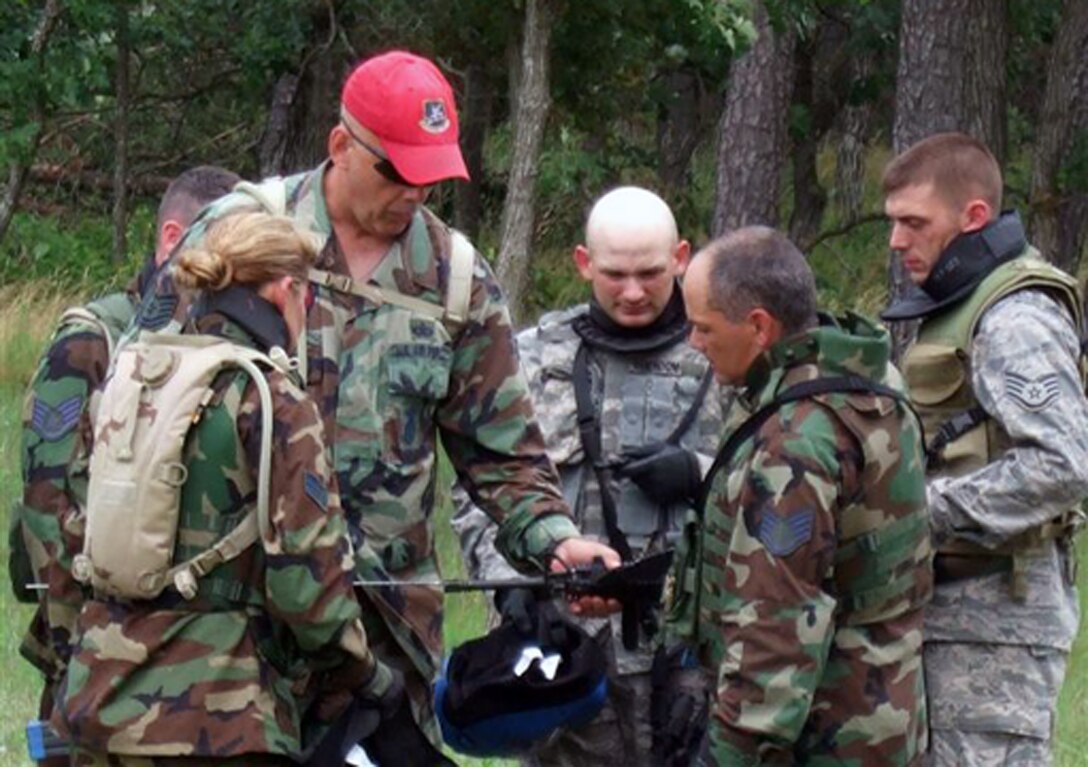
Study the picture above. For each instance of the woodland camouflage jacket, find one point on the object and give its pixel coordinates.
(233, 670)
(389, 382)
(815, 567)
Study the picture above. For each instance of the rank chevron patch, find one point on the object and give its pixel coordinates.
(1032, 394)
(781, 534)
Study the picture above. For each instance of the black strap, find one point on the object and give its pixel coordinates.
(850, 384)
(590, 432)
(951, 430)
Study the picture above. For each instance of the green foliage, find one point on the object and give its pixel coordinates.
(73, 250)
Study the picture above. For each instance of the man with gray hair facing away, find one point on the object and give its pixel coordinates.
(627, 410)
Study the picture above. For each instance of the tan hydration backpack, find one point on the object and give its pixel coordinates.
(159, 389)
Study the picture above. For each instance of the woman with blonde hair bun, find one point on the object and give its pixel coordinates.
(224, 668)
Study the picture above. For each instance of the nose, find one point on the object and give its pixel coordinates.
(632, 290)
(695, 340)
(416, 194)
(898, 239)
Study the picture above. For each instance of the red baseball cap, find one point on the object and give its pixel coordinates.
(406, 102)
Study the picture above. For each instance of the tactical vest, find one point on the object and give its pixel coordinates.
(645, 399)
(143, 457)
(938, 366)
(961, 437)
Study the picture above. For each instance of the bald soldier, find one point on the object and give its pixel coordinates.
(626, 408)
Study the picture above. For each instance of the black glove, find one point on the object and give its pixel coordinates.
(518, 606)
(678, 716)
(400, 742)
(667, 474)
(365, 716)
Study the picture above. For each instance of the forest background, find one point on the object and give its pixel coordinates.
(779, 112)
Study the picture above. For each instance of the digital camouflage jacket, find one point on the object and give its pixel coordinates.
(640, 399)
(231, 671)
(389, 382)
(815, 565)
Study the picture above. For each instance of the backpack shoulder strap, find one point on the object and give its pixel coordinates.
(459, 290)
(271, 193)
(248, 531)
(85, 315)
(803, 390)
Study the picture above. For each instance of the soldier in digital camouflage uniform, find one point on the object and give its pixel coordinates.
(70, 370)
(803, 591)
(995, 375)
(403, 344)
(657, 411)
(225, 676)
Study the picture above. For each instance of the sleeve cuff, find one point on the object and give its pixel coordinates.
(526, 539)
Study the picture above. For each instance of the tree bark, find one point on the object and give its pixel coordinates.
(821, 68)
(752, 131)
(984, 90)
(475, 119)
(949, 79)
(120, 136)
(679, 128)
(530, 115)
(17, 171)
(1057, 215)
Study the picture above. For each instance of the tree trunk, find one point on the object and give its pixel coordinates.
(475, 118)
(17, 171)
(120, 136)
(272, 149)
(752, 131)
(530, 115)
(949, 79)
(679, 128)
(1058, 215)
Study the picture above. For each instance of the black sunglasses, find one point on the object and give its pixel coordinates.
(384, 165)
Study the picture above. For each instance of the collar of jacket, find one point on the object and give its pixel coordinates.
(838, 346)
(600, 331)
(256, 317)
(965, 263)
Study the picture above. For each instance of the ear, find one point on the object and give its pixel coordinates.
(976, 214)
(169, 236)
(338, 144)
(276, 292)
(682, 256)
(766, 328)
(583, 262)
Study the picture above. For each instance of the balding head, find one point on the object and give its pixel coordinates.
(630, 216)
(632, 255)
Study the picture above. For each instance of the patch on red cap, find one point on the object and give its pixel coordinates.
(407, 103)
(435, 119)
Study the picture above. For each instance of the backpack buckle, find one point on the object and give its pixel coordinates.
(185, 583)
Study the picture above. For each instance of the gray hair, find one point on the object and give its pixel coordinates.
(758, 267)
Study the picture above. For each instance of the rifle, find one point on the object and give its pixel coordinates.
(637, 582)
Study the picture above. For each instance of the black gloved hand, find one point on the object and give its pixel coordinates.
(667, 474)
(518, 606)
(399, 741)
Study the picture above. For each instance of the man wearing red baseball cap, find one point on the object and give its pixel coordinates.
(408, 338)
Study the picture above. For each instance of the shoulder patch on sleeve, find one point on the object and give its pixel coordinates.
(51, 423)
(782, 535)
(317, 490)
(1032, 394)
